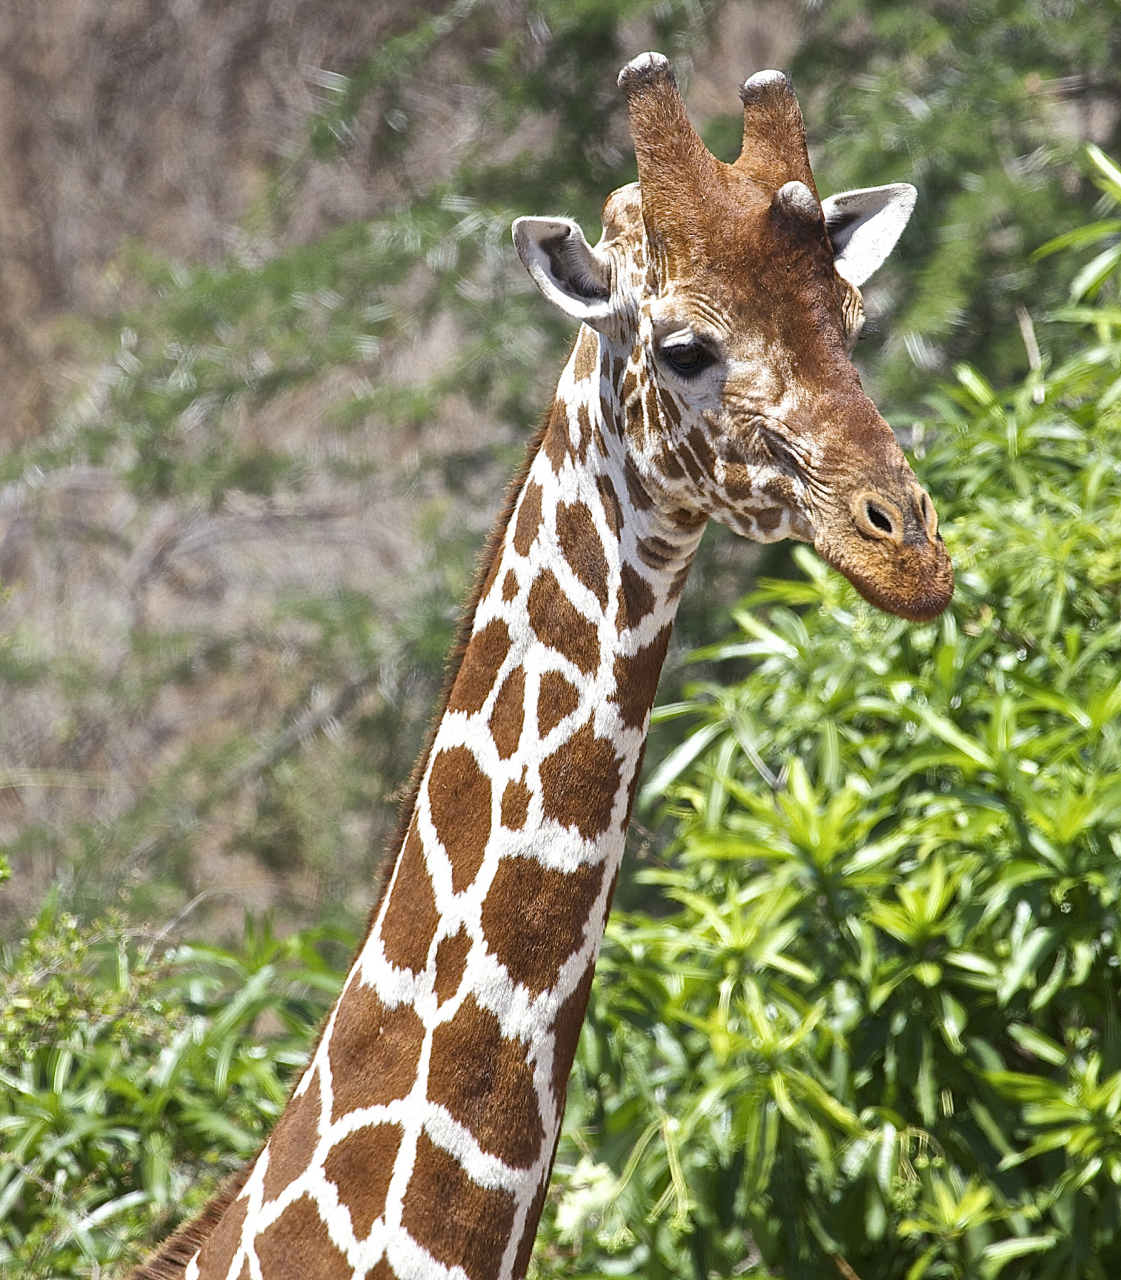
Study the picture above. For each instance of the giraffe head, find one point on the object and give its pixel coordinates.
(727, 297)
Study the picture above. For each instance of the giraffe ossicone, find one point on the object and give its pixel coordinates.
(710, 378)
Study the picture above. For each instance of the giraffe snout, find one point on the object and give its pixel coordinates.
(889, 548)
(913, 520)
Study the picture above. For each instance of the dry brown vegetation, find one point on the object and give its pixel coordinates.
(174, 723)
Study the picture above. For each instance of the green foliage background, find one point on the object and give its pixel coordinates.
(862, 1010)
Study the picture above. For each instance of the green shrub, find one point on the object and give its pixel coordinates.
(876, 1032)
(131, 1080)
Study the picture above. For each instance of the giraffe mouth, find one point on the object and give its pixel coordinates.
(921, 600)
(897, 567)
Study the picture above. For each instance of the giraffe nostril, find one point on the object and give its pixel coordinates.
(927, 514)
(878, 518)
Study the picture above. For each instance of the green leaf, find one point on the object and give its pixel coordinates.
(1035, 947)
(995, 1256)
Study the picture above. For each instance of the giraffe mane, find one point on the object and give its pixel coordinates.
(484, 565)
(170, 1262)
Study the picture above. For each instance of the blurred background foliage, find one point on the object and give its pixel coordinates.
(858, 1015)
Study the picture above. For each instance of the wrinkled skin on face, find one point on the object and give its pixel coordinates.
(731, 295)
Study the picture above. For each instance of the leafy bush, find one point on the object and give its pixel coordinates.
(131, 1081)
(877, 1032)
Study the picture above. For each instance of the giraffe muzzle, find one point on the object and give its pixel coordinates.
(890, 550)
(877, 516)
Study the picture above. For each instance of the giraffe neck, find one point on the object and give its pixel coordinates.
(419, 1142)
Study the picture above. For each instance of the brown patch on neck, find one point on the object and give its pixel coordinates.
(474, 1224)
(479, 667)
(566, 1034)
(636, 599)
(373, 1051)
(560, 625)
(410, 915)
(485, 1081)
(218, 1252)
(361, 1166)
(293, 1141)
(535, 917)
(557, 697)
(579, 782)
(529, 519)
(509, 714)
(459, 796)
(555, 439)
(612, 512)
(636, 680)
(582, 548)
(298, 1244)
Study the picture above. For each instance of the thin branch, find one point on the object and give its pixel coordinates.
(843, 1267)
(180, 916)
(1031, 346)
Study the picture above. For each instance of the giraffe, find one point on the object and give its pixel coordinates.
(710, 377)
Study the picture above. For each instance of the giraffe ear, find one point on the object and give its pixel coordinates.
(565, 267)
(864, 226)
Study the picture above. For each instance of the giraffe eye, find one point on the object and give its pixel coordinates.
(687, 359)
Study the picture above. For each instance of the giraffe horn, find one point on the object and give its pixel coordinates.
(673, 163)
(774, 133)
